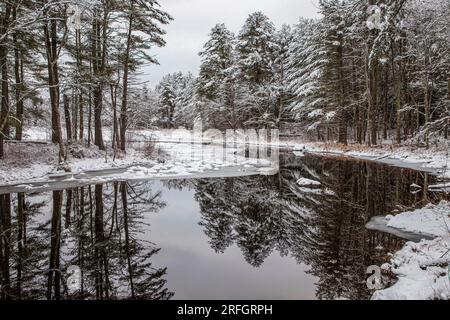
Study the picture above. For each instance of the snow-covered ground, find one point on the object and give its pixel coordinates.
(31, 164)
(432, 220)
(27, 162)
(422, 272)
(435, 160)
(421, 269)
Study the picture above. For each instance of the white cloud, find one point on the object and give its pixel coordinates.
(195, 18)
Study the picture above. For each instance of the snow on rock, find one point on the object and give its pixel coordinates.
(432, 220)
(304, 182)
(422, 272)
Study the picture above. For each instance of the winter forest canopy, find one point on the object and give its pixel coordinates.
(367, 71)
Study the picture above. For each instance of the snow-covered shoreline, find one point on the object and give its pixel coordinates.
(436, 160)
(21, 172)
(421, 269)
(42, 161)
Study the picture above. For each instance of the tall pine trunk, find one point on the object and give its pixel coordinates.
(342, 127)
(123, 109)
(80, 94)
(67, 117)
(54, 273)
(4, 111)
(98, 68)
(5, 245)
(19, 86)
(123, 191)
(51, 42)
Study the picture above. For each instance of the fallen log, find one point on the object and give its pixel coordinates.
(26, 142)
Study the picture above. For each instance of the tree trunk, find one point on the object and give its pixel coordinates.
(123, 109)
(21, 239)
(97, 64)
(54, 273)
(123, 191)
(81, 120)
(67, 118)
(427, 102)
(342, 130)
(19, 86)
(4, 112)
(74, 117)
(115, 135)
(5, 245)
(51, 41)
(80, 94)
(90, 119)
(98, 106)
(99, 242)
(69, 197)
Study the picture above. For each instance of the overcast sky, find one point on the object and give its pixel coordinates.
(195, 18)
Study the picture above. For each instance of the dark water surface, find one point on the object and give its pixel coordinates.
(260, 237)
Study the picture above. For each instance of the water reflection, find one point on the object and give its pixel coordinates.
(105, 229)
(322, 226)
(95, 228)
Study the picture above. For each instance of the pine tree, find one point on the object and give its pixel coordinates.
(255, 58)
(5, 20)
(176, 92)
(215, 82)
(143, 32)
(304, 70)
(334, 77)
(283, 40)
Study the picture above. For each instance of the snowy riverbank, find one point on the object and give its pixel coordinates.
(37, 161)
(435, 160)
(35, 165)
(421, 269)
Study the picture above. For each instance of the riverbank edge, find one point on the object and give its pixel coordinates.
(435, 161)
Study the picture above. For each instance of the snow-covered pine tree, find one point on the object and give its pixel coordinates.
(176, 100)
(281, 95)
(215, 81)
(334, 87)
(186, 110)
(428, 30)
(304, 69)
(256, 50)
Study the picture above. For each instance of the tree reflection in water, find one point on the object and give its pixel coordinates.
(323, 227)
(99, 228)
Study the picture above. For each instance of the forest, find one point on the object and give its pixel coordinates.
(372, 75)
(366, 71)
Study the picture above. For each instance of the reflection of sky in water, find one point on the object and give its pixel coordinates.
(195, 271)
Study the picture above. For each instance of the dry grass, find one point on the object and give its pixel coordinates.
(19, 155)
